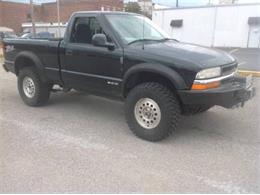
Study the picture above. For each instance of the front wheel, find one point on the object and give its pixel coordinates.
(152, 111)
(32, 90)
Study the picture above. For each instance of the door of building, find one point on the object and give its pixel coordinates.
(254, 37)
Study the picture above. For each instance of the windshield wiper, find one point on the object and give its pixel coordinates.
(139, 40)
(168, 39)
(159, 40)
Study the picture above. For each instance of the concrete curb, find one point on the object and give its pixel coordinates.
(249, 72)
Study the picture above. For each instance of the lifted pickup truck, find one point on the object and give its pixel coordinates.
(125, 55)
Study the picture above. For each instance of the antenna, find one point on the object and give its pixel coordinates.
(58, 17)
(143, 32)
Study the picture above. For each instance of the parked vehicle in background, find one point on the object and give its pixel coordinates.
(40, 35)
(6, 33)
(125, 55)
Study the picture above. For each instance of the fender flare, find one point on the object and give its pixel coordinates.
(36, 61)
(159, 69)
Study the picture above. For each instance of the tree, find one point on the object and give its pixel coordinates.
(133, 7)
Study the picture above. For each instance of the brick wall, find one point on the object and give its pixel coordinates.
(1, 14)
(12, 14)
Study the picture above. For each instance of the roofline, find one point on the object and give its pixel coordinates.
(104, 12)
(81, 13)
(207, 6)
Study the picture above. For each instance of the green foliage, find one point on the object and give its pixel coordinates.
(133, 7)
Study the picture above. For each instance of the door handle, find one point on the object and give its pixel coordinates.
(69, 52)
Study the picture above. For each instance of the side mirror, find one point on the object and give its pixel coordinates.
(100, 40)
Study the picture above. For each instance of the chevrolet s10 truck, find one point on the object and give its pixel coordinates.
(125, 56)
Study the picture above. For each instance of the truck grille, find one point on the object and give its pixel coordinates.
(229, 69)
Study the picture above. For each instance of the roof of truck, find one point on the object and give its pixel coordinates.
(104, 12)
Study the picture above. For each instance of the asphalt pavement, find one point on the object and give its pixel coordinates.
(81, 143)
(248, 59)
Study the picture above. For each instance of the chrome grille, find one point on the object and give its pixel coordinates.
(229, 69)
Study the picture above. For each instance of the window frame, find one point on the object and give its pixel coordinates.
(103, 22)
(72, 27)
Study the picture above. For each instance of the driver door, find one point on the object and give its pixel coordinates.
(89, 67)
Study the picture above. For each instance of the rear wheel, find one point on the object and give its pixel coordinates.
(32, 90)
(152, 111)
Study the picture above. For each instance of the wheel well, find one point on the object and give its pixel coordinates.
(22, 62)
(143, 77)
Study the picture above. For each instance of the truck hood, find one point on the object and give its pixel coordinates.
(184, 54)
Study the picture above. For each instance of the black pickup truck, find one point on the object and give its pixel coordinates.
(126, 56)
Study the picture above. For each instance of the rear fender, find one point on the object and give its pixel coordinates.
(35, 60)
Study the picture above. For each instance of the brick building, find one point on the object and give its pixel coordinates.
(13, 14)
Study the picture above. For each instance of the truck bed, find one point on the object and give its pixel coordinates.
(47, 51)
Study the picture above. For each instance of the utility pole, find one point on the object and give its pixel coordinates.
(32, 18)
(177, 3)
(58, 17)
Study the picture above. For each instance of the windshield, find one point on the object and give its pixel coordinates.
(132, 28)
(10, 35)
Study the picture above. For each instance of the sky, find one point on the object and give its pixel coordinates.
(162, 2)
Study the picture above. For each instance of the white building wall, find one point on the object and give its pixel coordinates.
(232, 25)
(220, 26)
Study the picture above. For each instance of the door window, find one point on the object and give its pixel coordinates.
(84, 28)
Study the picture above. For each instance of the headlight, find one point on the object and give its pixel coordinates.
(209, 73)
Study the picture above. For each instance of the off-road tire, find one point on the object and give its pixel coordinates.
(169, 109)
(195, 109)
(42, 90)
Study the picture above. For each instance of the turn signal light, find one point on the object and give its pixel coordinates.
(205, 86)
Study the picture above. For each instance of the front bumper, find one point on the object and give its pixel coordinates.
(8, 66)
(233, 92)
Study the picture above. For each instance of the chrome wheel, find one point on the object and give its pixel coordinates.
(147, 113)
(28, 87)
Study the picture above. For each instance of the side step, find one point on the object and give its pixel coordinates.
(58, 88)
